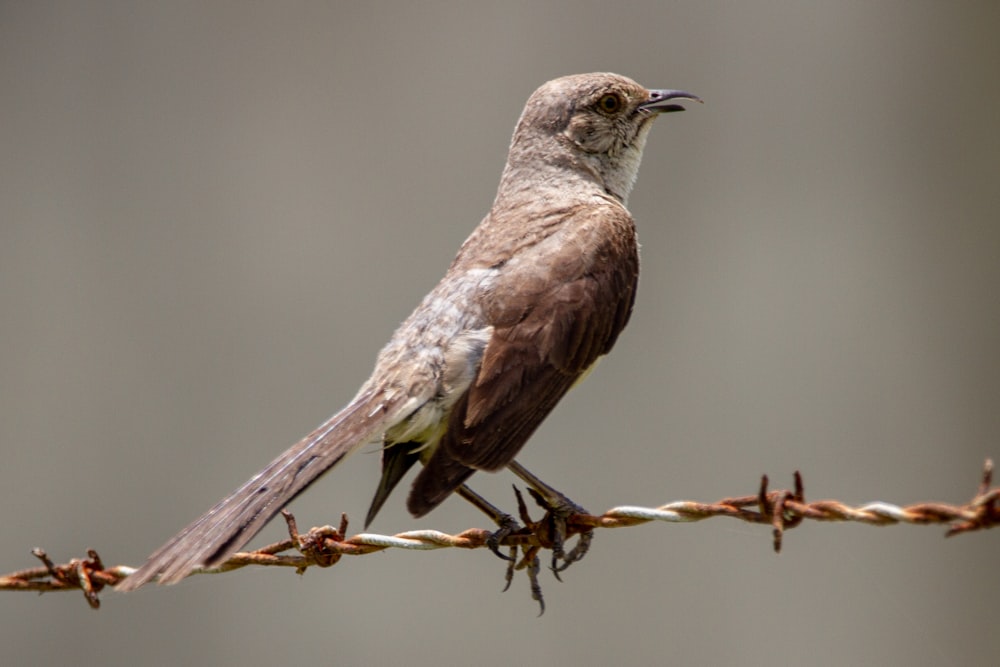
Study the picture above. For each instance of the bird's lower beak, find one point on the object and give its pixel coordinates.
(659, 100)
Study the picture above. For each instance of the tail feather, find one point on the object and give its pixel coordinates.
(435, 482)
(397, 459)
(213, 537)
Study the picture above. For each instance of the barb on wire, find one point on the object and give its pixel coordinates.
(324, 546)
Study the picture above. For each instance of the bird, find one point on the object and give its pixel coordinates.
(538, 292)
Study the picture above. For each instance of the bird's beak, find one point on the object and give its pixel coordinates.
(659, 100)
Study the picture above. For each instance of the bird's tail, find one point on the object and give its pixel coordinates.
(214, 536)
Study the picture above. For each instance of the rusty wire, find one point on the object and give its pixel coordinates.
(324, 546)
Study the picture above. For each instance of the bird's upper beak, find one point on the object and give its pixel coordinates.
(659, 100)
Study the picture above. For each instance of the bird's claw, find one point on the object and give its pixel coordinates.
(508, 525)
(554, 529)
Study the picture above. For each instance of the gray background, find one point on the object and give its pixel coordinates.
(214, 215)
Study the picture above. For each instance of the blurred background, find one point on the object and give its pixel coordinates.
(214, 214)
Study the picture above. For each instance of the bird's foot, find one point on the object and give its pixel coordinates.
(555, 528)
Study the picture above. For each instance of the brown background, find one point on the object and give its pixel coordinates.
(212, 216)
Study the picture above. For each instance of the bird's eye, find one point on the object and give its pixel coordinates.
(610, 103)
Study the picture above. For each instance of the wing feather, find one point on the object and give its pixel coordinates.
(552, 319)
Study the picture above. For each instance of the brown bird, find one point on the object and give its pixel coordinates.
(536, 295)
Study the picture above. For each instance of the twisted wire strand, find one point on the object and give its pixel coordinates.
(324, 546)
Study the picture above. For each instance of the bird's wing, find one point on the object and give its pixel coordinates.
(552, 318)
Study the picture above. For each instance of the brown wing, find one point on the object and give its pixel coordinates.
(551, 323)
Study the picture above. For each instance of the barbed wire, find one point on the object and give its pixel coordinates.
(324, 546)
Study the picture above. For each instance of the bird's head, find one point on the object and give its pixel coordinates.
(591, 124)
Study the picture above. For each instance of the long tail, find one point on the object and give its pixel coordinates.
(211, 538)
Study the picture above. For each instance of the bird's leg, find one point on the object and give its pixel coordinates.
(508, 525)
